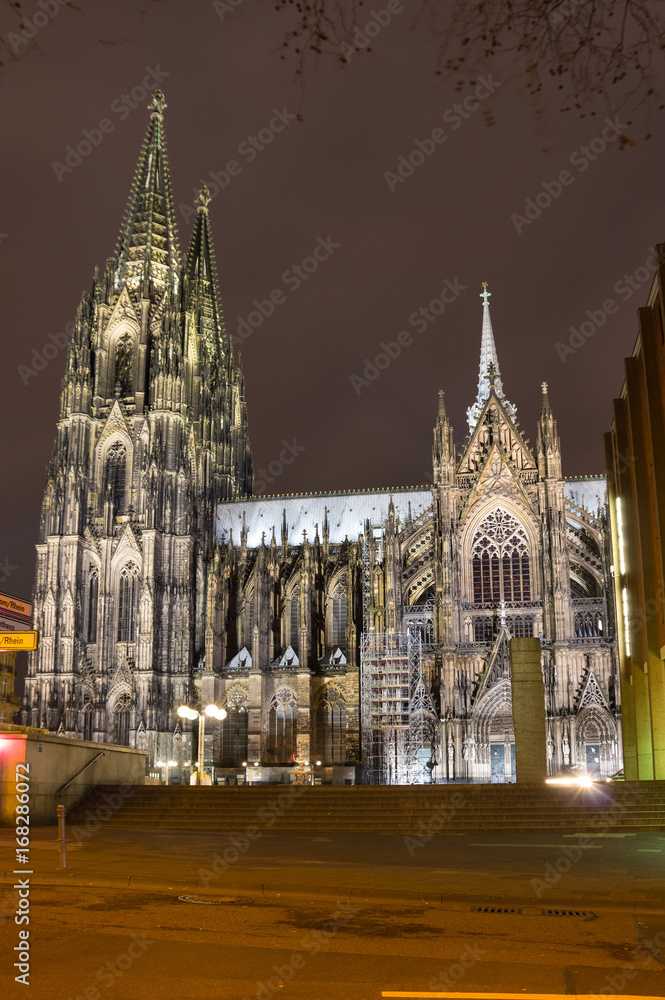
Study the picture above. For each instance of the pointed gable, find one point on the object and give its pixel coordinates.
(496, 427)
(590, 693)
(241, 661)
(123, 312)
(288, 658)
(497, 668)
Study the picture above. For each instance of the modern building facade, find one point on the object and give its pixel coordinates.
(361, 627)
(635, 450)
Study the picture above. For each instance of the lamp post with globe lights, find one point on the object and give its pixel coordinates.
(166, 764)
(212, 712)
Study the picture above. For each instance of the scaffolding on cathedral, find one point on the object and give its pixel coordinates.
(396, 706)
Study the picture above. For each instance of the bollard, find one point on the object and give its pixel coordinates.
(62, 812)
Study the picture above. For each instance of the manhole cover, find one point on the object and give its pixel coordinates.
(224, 901)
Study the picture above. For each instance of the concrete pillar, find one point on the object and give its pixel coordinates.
(528, 694)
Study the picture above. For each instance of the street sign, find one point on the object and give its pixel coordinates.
(15, 607)
(8, 624)
(14, 641)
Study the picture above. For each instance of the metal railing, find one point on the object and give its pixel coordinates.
(62, 809)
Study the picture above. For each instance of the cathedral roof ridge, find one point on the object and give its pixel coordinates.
(365, 491)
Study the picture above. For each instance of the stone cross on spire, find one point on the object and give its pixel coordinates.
(158, 103)
(489, 375)
(203, 197)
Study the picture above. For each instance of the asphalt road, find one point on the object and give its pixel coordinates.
(338, 917)
(108, 943)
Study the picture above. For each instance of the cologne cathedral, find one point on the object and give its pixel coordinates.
(365, 631)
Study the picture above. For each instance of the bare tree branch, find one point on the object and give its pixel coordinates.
(600, 55)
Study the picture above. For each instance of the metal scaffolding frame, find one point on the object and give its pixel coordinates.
(397, 711)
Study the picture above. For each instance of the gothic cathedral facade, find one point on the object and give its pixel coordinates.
(161, 581)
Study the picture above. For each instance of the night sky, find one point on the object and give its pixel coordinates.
(321, 179)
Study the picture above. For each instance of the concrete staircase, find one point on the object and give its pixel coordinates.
(619, 807)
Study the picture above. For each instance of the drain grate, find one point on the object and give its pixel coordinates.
(494, 909)
(533, 911)
(226, 901)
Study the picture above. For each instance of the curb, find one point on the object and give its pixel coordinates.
(386, 897)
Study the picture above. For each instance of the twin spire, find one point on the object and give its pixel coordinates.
(148, 247)
(148, 243)
(489, 375)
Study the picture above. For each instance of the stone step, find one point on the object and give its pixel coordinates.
(397, 810)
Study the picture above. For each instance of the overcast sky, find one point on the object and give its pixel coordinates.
(391, 246)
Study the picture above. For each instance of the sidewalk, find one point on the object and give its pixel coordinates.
(546, 870)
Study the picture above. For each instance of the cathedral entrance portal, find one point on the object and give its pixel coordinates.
(593, 759)
(502, 762)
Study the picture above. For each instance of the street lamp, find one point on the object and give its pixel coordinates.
(190, 713)
(166, 764)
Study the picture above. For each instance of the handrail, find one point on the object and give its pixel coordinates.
(80, 771)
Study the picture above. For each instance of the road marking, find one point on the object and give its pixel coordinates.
(649, 850)
(600, 835)
(596, 847)
(511, 996)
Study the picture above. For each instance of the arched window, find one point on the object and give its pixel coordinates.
(282, 727)
(115, 477)
(128, 603)
(93, 596)
(500, 556)
(294, 618)
(121, 711)
(330, 727)
(87, 721)
(339, 616)
(124, 367)
(233, 750)
(250, 620)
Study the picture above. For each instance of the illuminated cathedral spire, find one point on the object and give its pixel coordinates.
(147, 250)
(489, 375)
